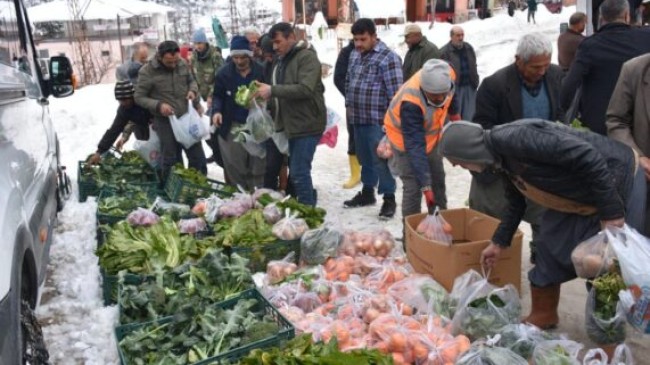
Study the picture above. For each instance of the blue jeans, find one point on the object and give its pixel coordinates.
(301, 154)
(373, 169)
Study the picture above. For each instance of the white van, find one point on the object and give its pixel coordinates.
(33, 185)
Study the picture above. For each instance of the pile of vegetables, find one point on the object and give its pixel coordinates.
(213, 278)
(244, 94)
(117, 172)
(196, 334)
(144, 250)
(121, 204)
(246, 231)
(303, 351)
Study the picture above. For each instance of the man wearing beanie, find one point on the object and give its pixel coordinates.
(241, 168)
(374, 76)
(413, 123)
(127, 112)
(206, 61)
(584, 180)
(164, 87)
(298, 103)
(528, 88)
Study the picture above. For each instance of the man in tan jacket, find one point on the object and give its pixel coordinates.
(628, 114)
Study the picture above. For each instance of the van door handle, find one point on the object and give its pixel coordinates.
(43, 101)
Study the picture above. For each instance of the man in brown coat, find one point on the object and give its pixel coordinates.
(567, 42)
(628, 114)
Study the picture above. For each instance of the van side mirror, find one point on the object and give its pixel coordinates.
(62, 81)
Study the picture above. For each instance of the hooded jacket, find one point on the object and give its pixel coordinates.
(158, 84)
(297, 91)
(576, 166)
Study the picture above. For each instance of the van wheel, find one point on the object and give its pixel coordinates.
(33, 345)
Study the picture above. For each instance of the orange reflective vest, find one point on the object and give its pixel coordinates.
(434, 118)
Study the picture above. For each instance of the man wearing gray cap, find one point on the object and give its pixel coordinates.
(413, 125)
(584, 180)
(420, 50)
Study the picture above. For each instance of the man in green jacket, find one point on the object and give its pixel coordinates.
(164, 87)
(420, 50)
(297, 94)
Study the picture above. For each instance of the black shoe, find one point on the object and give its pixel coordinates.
(363, 198)
(388, 208)
(210, 159)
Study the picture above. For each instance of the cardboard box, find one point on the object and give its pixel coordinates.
(472, 232)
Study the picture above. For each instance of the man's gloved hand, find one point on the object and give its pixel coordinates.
(429, 199)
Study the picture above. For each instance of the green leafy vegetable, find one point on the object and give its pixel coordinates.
(313, 216)
(118, 172)
(121, 204)
(246, 231)
(244, 94)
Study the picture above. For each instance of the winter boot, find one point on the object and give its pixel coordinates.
(387, 210)
(363, 198)
(355, 173)
(544, 303)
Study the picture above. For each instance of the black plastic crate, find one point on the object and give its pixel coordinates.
(89, 187)
(262, 308)
(183, 191)
(259, 256)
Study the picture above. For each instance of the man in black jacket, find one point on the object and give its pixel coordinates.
(127, 111)
(599, 60)
(340, 72)
(584, 180)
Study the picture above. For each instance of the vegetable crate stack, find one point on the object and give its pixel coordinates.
(221, 333)
(114, 172)
(187, 185)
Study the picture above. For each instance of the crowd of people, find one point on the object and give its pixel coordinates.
(518, 135)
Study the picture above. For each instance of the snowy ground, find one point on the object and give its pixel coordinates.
(79, 330)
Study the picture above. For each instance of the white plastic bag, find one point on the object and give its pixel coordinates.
(555, 352)
(622, 356)
(633, 252)
(149, 150)
(595, 357)
(190, 128)
(593, 256)
(281, 142)
(259, 123)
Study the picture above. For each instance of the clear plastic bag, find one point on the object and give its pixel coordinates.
(384, 276)
(595, 357)
(556, 352)
(522, 338)
(160, 205)
(259, 123)
(384, 149)
(339, 268)
(189, 128)
(290, 227)
(460, 286)
(239, 204)
(604, 330)
(434, 227)
(593, 257)
(317, 245)
(330, 136)
(379, 243)
(485, 308)
(142, 217)
(423, 294)
(212, 205)
(622, 356)
(272, 214)
(278, 270)
(482, 354)
(150, 150)
(281, 142)
(192, 225)
(275, 195)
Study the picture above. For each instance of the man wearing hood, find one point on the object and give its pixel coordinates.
(164, 87)
(584, 180)
(296, 92)
(206, 60)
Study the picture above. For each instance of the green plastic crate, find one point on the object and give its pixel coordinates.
(109, 285)
(259, 256)
(151, 191)
(89, 187)
(182, 191)
(263, 307)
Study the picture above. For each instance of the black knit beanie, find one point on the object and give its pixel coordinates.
(465, 142)
(124, 90)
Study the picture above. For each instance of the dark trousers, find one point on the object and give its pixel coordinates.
(301, 155)
(170, 150)
(274, 161)
(213, 142)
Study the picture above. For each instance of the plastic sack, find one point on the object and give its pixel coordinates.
(192, 225)
(633, 252)
(593, 257)
(150, 150)
(522, 338)
(461, 283)
(595, 357)
(161, 206)
(317, 245)
(384, 149)
(189, 128)
(278, 270)
(281, 142)
(339, 268)
(481, 354)
(604, 330)
(142, 217)
(271, 214)
(622, 356)
(485, 308)
(434, 227)
(384, 276)
(331, 134)
(259, 123)
(423, 294)
(208, 207)
(556, 352)
(290, 227)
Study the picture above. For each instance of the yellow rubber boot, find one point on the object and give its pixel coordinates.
(355, 173)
